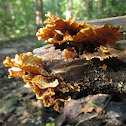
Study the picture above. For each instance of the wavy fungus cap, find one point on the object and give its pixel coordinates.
(75, 40)
(58, 30)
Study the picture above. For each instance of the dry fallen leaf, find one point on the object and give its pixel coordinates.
(89, 107)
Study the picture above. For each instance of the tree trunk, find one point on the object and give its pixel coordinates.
(56, 8)
(69, 9)
(100, 7)
(89, 8)
(39, 13)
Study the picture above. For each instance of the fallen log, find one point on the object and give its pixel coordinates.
(76, 62)
(89, 75)
(98, 72)
(115, 21)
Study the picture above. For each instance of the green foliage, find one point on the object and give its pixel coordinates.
(50, 124)
(18, 16)
(49, 6)
(93, 105)
(79, 10)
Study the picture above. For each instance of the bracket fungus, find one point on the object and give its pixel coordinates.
(55, 82)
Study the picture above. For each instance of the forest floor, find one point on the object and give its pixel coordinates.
(18, 105)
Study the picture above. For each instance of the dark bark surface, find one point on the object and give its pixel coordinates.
(95, 79)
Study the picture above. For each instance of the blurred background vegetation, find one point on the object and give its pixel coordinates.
(22, 18)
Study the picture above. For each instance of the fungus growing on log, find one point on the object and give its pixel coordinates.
(83, 37)
(59, 71)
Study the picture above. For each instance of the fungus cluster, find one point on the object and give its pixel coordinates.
(81, 38)
(76, 41)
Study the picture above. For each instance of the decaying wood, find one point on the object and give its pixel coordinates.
(116, 21)
(93, 76)
(95, 79)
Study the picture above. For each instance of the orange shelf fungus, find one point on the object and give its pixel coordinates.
(76, 41)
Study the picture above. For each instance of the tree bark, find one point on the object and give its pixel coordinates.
(39, 13)
(80, 71)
